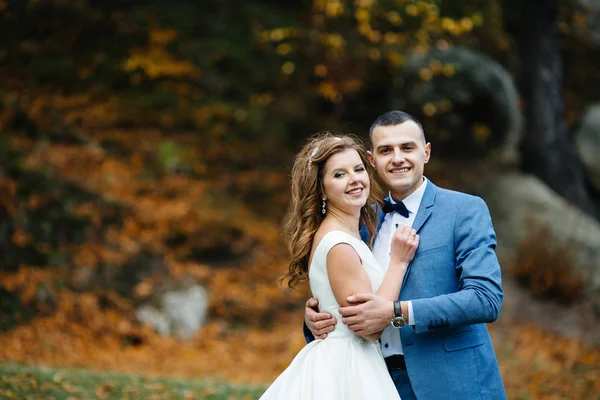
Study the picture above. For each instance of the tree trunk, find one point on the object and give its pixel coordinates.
(547, 150)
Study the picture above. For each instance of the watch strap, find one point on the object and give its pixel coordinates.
(397, 309)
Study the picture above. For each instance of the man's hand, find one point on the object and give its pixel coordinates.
(320, 324)
(371, 314)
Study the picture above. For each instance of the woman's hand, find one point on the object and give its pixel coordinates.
(404, 245)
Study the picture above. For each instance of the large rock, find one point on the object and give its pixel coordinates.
(180, 313)
(587, 140)
(485, 115)
(521, 204)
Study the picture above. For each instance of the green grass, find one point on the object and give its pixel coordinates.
(28, 382)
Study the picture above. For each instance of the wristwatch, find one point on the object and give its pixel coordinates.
(398, 320)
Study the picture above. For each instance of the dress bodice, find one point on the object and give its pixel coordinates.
(319, 280)
(343, 366)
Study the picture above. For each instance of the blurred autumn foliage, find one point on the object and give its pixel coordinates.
(148, 142)
(545, 269)
(84, 291)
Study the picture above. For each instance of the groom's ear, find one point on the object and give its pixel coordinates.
(427, 152)
(371, 159)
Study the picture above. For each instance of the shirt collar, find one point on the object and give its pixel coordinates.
(413, 201)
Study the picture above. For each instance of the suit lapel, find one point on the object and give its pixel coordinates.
(426, 205)
(423, 215)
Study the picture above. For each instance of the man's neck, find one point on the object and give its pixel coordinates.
(400, 196)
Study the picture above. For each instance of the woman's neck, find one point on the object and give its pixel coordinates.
(347, 221)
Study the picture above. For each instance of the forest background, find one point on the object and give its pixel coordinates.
(145, 152)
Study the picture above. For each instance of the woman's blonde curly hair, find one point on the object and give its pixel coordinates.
(304, 214)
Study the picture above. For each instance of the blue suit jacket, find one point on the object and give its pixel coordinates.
(455, 286)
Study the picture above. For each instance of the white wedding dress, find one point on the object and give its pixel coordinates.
(344, 365)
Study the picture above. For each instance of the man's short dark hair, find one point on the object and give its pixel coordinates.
(392, 118)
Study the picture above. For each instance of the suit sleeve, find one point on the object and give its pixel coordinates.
(307, 333)
(480, 293)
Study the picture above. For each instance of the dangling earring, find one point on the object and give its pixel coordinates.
(323, 206)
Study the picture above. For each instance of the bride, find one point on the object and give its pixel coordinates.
(332, 197)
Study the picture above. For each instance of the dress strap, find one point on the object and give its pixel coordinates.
(332, 239)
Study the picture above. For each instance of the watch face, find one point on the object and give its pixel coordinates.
(398, 322)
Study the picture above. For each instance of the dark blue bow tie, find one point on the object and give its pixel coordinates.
(399, 207)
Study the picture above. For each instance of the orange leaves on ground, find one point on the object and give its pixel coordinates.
(97, 330)
(546, 365)
(25, 281)
(212, 353)
(87, 254)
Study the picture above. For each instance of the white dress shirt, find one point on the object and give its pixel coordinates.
(390, 338)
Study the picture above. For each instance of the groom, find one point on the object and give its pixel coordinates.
(435, 343)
